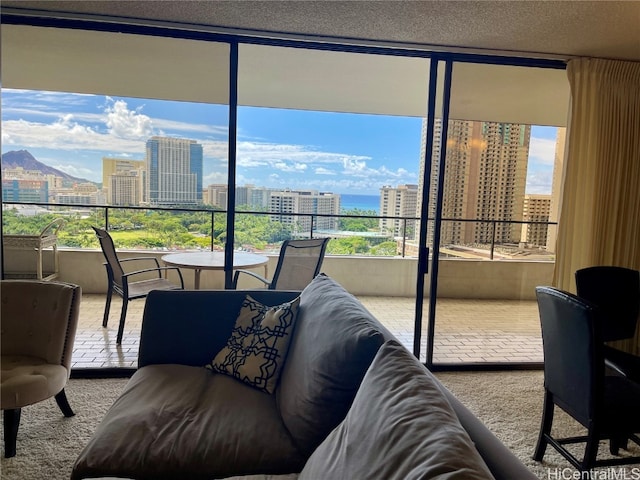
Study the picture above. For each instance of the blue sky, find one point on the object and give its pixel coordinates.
(341, 153)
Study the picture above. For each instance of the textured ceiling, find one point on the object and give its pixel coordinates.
(608, 29)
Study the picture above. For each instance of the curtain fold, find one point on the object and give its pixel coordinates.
(599, 220)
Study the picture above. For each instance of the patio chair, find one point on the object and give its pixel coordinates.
(120, 281)
(616, 291)
(39, 322)
(575, 381)
(299, 262)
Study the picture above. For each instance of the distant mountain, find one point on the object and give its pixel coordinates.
(22, 158)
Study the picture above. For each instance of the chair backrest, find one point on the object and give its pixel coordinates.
(616, 290)
(299, 263)
(39, 319)
(573, 351)
(109, 252)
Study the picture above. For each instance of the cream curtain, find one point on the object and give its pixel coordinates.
(599, 221)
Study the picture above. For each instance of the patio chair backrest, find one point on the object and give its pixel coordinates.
(109, 252)
(299, 262)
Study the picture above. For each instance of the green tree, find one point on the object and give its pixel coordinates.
(359, 224)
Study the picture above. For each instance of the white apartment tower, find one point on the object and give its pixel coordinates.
(400, 201)
(217, 194)
(126, 188)
(252, 196)
(305, 202)
(124, 181)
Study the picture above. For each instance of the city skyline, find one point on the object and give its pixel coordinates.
(342, 153)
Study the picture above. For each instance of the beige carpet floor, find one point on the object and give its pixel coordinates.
(508, 402)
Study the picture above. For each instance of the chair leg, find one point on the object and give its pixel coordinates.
(11, 424)
(618, 442)
(63, 403)
(590, 450)
(545, 427)
(107, 306)
(123, 315)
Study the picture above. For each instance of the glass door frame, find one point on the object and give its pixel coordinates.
(424, 251)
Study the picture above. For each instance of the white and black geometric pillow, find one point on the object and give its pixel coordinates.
(258, 344)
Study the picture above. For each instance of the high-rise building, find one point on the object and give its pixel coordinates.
(400, 201)
(217, 195)
(76, 198)
(126, 188)
(556, 188)
(18, 190)
(128, 176)
(536, 209)
(174, 171)
(253, 196)
(80, 193)
(484, 179)
(305, 202)
(19, 184)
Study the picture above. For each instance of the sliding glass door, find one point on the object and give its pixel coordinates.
(494, 204)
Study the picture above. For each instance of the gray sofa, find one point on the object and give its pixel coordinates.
(351, 402)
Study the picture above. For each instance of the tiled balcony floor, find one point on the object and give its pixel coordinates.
(466, 330)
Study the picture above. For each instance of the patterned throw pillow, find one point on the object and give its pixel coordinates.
(258, 345)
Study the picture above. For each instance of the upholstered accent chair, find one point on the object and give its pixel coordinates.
(39, 321)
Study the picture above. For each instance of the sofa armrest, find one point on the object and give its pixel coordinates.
(502, 463)
(189, 327)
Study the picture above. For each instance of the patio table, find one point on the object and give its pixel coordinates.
(199, 261)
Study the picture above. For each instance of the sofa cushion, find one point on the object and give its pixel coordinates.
(177, 422)
(334, 342)
(258, 344)
(400, 426)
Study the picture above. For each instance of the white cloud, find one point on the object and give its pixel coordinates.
(217, 150)
(539, 182)
(353, 166)
(172, 125)
(75, 171)
(67, 135)
(214, 177)
(540, 165)
(542, 150)
(42, 100)
(125, 123)
(290, 167)
(259, 154)
(324, 171)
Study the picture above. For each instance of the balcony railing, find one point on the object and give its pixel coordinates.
(487, 244)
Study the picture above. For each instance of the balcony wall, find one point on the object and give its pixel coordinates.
(376, 276)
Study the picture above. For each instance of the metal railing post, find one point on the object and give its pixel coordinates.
(493, 238)
(213, 214)
(404, 236)
(106, 218)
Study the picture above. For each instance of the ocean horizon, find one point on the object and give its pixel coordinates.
(362, 202)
